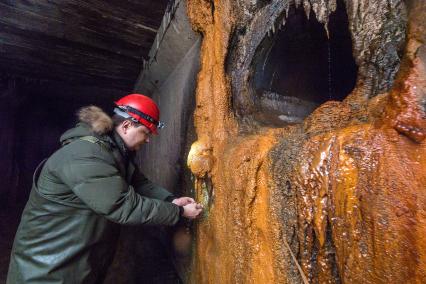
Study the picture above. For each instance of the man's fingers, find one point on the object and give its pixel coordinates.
(193, 210)
(190, 200)
(198, 213)
(182, 201)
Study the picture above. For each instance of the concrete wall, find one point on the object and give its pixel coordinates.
(146, 254)
(170, 80)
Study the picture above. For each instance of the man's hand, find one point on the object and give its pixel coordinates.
(183, 201)
(192, 210)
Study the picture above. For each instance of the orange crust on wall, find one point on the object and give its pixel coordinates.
(360, 187)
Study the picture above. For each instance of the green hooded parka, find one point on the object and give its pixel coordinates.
(80, 197)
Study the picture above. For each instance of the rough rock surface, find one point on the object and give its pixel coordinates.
(337, 198)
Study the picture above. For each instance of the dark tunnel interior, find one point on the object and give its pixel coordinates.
(34, 113)
(64, 55)
(299, 67)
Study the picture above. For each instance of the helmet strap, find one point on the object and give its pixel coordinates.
(124, 112)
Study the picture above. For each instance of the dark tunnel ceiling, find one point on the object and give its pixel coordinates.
(90, 42)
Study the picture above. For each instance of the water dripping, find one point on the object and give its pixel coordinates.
(329, 69)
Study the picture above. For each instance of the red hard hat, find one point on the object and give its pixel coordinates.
(141, 109)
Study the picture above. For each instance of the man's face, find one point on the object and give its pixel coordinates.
(134, 136)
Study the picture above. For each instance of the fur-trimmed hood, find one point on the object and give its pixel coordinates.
(99, 122)
(92, 120)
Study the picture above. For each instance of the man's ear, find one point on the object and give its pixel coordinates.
(125, 125)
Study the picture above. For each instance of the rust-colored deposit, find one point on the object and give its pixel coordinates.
(234, 238)
(346, 196)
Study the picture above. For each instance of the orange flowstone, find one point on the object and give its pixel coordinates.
(361, 198)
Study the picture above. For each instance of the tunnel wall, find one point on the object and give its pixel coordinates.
(145, 254)
(170, 80)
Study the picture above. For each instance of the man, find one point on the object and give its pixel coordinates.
(85, 190)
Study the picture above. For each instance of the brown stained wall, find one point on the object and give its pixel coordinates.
(344, 189)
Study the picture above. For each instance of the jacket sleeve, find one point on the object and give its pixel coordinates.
(145, 187)
(95, 179)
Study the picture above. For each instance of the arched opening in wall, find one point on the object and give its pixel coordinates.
(298, 67)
